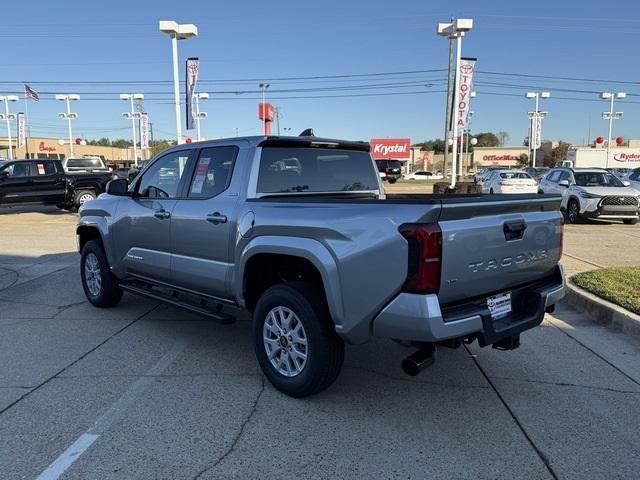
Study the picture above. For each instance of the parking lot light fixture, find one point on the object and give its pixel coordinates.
(535, 123)
(455, 29)
(133, 115)
(8, 117)
(199, 114)
(68, 115)
(610, 116)
(177, 32)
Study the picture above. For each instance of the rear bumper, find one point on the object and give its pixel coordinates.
(420, 318)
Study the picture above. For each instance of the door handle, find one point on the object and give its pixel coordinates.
(216, 218)
(514, 230)
(162, 214)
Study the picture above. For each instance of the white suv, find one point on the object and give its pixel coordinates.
(592, 193)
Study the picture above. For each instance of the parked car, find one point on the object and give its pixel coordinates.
(633, 177)
(510, 181)
(135, 170)
(423, 175)
(121, 172)
(482, 175)
(389, 170)
(44, 181)
(537, 172)
(321, 256)
(84, 164)
(592, 193)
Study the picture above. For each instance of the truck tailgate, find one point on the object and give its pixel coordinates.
(493, 243)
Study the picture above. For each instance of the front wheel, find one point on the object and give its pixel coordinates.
(83, 196)
(573, 211)
(630, 221)
(99, 284)
(295, 340)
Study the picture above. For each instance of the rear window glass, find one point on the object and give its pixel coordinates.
(84, 163)
(514, 175)
(290, 170)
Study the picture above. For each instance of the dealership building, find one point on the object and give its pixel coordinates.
(41, 147)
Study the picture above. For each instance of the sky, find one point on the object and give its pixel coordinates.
(573, 49)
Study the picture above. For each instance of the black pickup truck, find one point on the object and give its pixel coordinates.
(44, 181)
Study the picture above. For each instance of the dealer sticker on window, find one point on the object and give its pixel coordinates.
(499, 305)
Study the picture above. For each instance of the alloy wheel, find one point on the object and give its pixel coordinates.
(285, 341)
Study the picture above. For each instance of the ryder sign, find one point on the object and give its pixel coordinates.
(390, 148)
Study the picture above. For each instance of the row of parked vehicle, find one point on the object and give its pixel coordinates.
(586, 192)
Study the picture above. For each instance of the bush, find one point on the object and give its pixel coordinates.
(619, 285)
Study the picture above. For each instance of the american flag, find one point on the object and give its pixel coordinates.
(31, 93)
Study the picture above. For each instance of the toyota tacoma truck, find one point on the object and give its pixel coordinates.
(299, 232)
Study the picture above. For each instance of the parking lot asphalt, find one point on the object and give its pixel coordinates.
(147, 391)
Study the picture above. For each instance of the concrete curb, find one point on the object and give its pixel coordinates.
(602, 311)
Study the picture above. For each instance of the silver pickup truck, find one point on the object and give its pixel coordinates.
(299, 232)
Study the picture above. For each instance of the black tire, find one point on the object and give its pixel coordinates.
(630, 221)
(491, 191)
(573, 211)
(109, 294)
(325, 349)
(392, 180)
(82, 196)
(540, 192)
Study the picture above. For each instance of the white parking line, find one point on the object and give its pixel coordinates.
(77, 448)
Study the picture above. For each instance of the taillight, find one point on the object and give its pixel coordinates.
(560, 230)
(425, 257)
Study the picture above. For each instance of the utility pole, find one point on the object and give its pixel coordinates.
(278, 120)
(447, 120)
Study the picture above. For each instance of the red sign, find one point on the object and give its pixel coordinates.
(266, 111)
(425, 161)
(390, 148)
(43, 148)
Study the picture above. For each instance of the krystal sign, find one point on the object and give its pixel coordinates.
(390, 148)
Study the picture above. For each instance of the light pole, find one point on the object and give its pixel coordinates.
(455, 29)
(199, 114)
(133, 115)
(611, 116)
(177, 32)
(536, 123)
(8, 117)
(68, 115)
(264, 87)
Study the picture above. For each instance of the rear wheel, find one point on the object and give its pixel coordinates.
(491, 191)
(392, 180)
(83, 196)
(295, 340)
(630, 221)
(573, 211)
(99, 284)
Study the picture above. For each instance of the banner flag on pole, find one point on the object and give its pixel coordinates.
(144, 131)
(31, 93)
(467, 68)
(537, 132)
(192, 79)
(22, 130)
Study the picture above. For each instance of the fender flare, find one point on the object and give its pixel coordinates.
(307, 248)
(100, 225)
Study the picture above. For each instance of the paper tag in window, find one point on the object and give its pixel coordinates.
(201, 174)
(40, 169)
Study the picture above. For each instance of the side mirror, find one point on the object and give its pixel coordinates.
(563, 183)
(4, 174)
(119, 187)
(626, 183)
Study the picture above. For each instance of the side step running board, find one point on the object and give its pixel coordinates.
(148, 292)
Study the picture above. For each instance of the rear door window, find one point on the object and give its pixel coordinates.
(299, 170)
(44, 168)
(213, 171)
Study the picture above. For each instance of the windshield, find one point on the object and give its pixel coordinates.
(597, 179)
(514, 175)
(288, 170)
(84, 163)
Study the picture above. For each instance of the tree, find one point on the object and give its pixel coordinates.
(503, 136)
(487, 139)
(437, 145)
(121, 143)
(557, 154)
(525, 142)
(158, 145)
(102, 142)
(523, 160)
